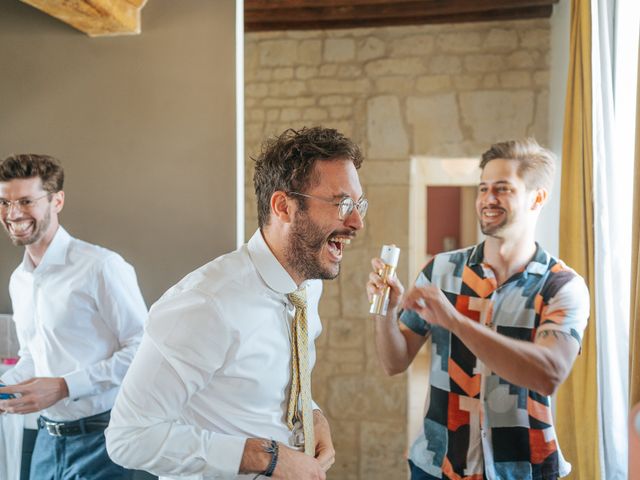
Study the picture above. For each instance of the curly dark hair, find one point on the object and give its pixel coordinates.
(286, 162)
(30, 165)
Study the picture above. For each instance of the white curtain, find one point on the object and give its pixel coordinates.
(613, 185)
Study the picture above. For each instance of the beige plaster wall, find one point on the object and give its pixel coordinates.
(145, 127)
(442, 90)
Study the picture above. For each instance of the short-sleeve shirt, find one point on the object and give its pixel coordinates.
(477, 423)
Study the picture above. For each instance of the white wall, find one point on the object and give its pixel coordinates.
(145, 126)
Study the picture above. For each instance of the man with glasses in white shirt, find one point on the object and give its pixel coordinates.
(213, 390)
(79, 316)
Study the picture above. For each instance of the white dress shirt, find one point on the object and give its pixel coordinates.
(213, 369)
(79, 315)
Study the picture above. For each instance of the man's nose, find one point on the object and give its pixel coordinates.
(489, 196)
(355, 220)
(13, 210)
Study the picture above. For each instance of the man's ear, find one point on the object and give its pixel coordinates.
(58, 201)
(540, 198)
(282, 206)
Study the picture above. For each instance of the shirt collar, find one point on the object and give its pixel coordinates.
(268, 266)
(477, 255)
(539, 264)
(56, 253)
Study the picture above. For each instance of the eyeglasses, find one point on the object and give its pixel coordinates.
(345, 205)
(22, 204)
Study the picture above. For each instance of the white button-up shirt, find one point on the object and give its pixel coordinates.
(213, 369)
(79, 315)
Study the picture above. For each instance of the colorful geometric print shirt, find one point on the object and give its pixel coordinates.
(478, 425)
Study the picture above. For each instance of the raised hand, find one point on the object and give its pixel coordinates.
(376, 285)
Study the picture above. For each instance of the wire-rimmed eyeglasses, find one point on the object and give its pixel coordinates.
(22, 204)
(345, 205)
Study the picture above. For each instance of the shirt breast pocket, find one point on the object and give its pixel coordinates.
(514, 311)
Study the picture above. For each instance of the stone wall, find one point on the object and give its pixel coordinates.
(447, 91)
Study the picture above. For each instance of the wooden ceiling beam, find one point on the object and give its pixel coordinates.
(433, 5)
(261, 15)
(95, 17)
(387, 10)
(381, 21)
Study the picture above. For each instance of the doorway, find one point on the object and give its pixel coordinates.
(442, 213)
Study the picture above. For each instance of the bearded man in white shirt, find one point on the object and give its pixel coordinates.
(79, 316)
(209, 392)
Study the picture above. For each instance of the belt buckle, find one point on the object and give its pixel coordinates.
(54, 428)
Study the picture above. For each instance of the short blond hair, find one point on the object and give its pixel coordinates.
(537, 165)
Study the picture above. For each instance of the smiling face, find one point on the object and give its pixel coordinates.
(503, 203)
(317, 236)
(33, 224)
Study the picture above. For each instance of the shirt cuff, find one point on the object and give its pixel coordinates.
(225, 456)
(78, 384)
(12, 377)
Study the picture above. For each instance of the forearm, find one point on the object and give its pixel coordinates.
(255, 458)
(520, 362)
(391, 344)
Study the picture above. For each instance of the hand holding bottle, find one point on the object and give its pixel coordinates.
(383, 288)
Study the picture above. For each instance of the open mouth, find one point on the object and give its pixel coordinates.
(20, 229)
(336, 245)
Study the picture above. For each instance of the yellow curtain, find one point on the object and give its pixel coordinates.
(577, 400)
(634, 337)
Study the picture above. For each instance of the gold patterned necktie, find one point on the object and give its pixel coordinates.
(300, 395)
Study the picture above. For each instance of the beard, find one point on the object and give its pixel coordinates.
(495, 229)
(306, 241)
(40, 228)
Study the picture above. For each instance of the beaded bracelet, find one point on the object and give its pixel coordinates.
(273, 450)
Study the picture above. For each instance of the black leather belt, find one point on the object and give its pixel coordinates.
(96, 423)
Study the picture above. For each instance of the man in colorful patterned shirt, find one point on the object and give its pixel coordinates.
(505, 319)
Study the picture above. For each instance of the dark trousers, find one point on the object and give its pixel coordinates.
(28, 442)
